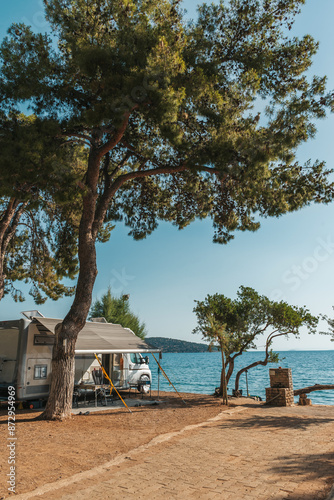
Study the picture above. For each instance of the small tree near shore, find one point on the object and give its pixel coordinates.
(245, 320)
(270, 357)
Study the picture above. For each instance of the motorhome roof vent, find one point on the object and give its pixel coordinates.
(32, 314)
(98, 320)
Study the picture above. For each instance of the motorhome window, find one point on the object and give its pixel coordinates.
(40, 371)
(44, 339)
(135, 358)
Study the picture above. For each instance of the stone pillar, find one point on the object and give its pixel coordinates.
(280, 392)
(304, 400)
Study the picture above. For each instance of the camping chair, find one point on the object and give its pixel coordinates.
(97, 376)
(102, 393)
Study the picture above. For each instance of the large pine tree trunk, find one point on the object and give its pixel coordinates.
(59, 404)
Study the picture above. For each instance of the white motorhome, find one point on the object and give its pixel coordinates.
(26, 353)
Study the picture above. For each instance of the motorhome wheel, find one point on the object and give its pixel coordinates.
(144, 384)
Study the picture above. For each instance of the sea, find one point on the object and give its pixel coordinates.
(199, 373)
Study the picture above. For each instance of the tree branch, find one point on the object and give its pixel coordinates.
(316, 387)
(8, 214)
(10, 231)
(119, 166)
(139, 155)
(262, 362)
(109, 145)
(78, 140)
(81, 137)
(105, 199)
(154, 171)
(159, 165)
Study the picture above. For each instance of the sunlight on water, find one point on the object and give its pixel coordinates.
(200, 372)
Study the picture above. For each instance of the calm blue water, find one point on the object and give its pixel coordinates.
(200, 372)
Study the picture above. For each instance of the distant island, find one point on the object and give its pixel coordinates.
(174, 345)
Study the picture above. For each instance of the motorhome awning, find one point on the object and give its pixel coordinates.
(102, 338)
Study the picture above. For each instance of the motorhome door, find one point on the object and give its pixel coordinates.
(118, 370)
(38, 376)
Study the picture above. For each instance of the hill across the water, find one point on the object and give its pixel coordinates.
(174, 345)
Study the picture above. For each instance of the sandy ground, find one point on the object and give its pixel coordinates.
(49, 451)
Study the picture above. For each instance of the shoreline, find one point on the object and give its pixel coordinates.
(201, 373)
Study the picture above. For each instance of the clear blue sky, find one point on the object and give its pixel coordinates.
(290, 258)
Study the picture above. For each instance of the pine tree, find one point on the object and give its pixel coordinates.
(117, 310)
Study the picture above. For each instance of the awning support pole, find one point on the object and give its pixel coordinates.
(111, 384)
(166, 377)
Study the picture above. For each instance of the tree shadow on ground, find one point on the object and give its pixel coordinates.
(272, 422)
(314, 465)
(310, 468)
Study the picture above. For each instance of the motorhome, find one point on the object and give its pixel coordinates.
(26, 353)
